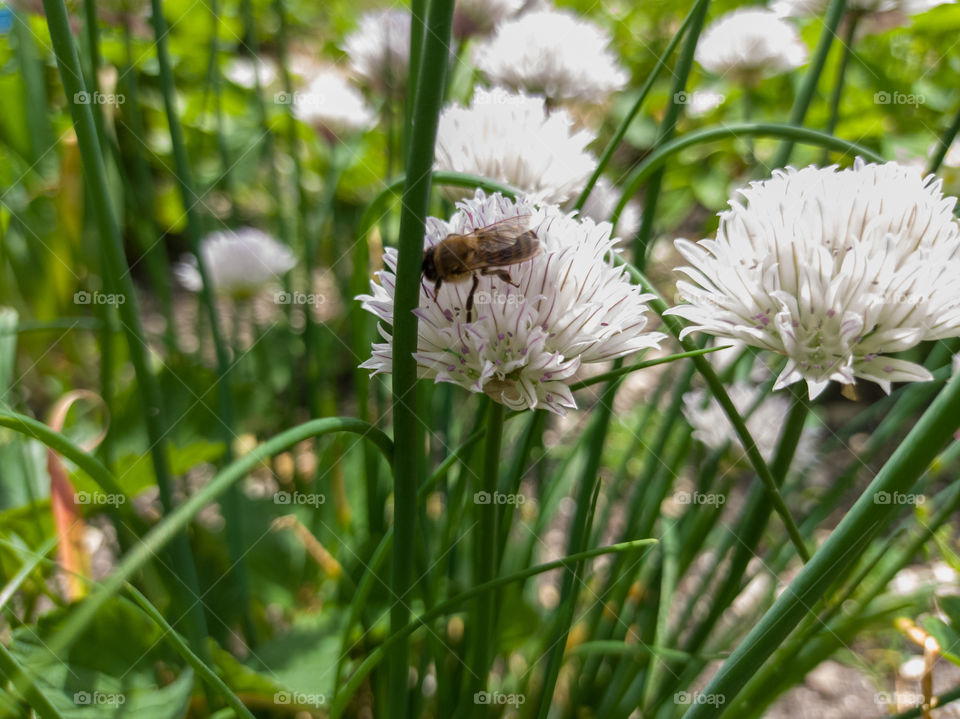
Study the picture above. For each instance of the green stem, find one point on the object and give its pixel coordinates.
(485, 613)
(95, 172)
(943, 144)
(864, 520)
(620, 372)
(809, 84)
(418, 26)
(408, 435)
(638, 103)
(837, 93)
(456, 603)
(681, 74)
(658, 157)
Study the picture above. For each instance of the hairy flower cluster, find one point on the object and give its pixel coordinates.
(239, 262)
(875, 16)
(514, 139)
(570, 306)
(836, 269)
(379, 49)
(554, 53)
(749, 43)
(332, 105)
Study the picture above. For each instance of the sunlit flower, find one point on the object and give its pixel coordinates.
(553, 53)
(749, 43)
(479, 17)
(834, 269)
(514, 139)
(244, 72)
(875, 16)
(525, 343)
(239, 262)
(379, 49)
(601, 203)
(332, 105)
(764, 419)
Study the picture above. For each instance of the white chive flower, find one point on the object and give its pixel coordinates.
(525, 343)
(514, 139)
(713, 428)
(332, 105)
(244, 72)
(749, 43)
(836, 269)
(239, 262)
(480, 17)
(602, 201)
(379, 49)
(876, 16)
(554, 53)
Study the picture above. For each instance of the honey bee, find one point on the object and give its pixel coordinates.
(486, 251)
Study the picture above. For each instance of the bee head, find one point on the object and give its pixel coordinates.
(429, 268)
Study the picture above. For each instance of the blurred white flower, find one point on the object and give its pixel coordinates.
(876, 16)
(554, 53)
(379, 49)
(834, 269)
(479, 17)
(701, 102)
(712, 427)
(239, 262)
(601, 203)
(243, 71)
(952, 158)
(514, 139)
(749, 43)
(525, 343)
(332, 105)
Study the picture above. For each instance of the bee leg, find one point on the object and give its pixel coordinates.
(436, 290)
(502, 275)
(473, 288)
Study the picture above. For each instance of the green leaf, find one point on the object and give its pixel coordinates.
(946, 637)
(120, 667)
(951, 607)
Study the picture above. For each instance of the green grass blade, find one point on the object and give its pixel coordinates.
(408, 434)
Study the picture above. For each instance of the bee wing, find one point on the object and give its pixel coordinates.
(502, 234)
